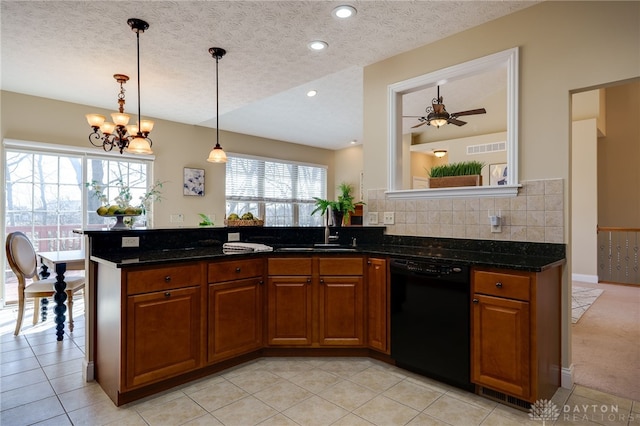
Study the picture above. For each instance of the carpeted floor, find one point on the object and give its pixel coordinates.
(605, 342)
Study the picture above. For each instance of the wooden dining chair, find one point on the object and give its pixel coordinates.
(23, 262)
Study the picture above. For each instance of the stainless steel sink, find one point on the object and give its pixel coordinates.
(319, 247)
(295, 249)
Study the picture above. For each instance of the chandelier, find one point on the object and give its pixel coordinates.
(217, 155)
(133, 137)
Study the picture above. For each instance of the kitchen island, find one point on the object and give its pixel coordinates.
(178, 307)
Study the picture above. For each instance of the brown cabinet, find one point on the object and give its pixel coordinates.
(315, 301)
(516, 332)
(235, 308)
(377, 304)
(163, 323)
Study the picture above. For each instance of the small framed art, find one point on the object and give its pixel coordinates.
(498, 174)
(193, 182)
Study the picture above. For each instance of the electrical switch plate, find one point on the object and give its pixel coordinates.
(233, 236)
(176, 218)
(389, 218)
(130, 241)
(373, 218)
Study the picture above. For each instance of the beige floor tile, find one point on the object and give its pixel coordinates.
(376, 379)
(604, 398)
(19, 366)
(282, 395)
(315, 380)
(69, 382)
(497, 419)
(278, 420)
(315, 411)
(247, 411)
(32, 412)
(15, 381)
(157, 399)
(83, 397)
(218, 395)
(174, 412)
(412, 394)
(61, 420)
(348, 395)
(456, 412)
(346, 367)
(581, 409)
(105, 411)
(59, 356)
(63, 368)
(473, 399)
(17, 355)
(383, 411)
(24, 395)
(206, 420)
(352, 420)
(253, 381)
(423, 419)
(285, 367)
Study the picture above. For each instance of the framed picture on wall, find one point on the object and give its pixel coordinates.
(193, 182)
(498, 174)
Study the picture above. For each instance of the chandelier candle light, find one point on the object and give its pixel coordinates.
(217, 155)
(134, 137)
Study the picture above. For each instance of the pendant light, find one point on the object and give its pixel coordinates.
(217, 155)
(132, 138)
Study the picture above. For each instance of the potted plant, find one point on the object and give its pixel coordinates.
(340, 209)
(465, 173)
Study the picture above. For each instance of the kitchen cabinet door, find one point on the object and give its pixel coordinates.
(289, 310)
(163, 335)
(500, 344)
(235, 318)
(377, 305)
(341, 311)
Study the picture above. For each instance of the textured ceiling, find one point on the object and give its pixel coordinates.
(69, 50)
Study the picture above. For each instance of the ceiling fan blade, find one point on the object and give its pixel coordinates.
(418, 125)
(456, 122)
(470, 112)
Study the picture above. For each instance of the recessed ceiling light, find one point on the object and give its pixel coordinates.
(344, 11)
(317, 45)
(312, 93)
(354, 141)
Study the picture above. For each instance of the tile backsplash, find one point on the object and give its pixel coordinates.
(536, 214)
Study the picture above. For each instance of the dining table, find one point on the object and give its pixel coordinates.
(60, 262)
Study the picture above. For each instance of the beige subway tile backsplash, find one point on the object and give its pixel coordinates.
(536, 214)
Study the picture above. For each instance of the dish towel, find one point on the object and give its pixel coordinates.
(244, 247)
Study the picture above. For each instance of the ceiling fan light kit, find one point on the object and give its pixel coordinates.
(217, 154)
(440, 153)
(438, 116)
(133, 138)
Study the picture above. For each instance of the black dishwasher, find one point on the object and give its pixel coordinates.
(430, 325)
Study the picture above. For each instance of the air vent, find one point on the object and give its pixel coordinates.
(486, 148)
(506, 399)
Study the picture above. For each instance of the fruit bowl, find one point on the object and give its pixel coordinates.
(119, 213)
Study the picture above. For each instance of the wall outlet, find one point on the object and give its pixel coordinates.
(233, 236)
(389, 218)
(130, 241)
(176, 218)
(373, 218)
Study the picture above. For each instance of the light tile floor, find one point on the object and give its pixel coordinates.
(41, 383)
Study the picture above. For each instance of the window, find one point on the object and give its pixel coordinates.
(46, 197)
(277, 191)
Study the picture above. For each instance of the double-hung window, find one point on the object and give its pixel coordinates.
(277, 191)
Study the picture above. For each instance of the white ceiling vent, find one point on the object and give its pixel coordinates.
(486, 148)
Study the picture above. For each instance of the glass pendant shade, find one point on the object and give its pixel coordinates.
(139, 145)
(120, 118)
(217, 155)
(107, 127)
(95, 120)
(438, 122)
(132, 129)
(146, 126)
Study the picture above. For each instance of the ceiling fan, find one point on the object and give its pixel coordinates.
(438, 116)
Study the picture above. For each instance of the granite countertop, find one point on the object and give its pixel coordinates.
(517, 261)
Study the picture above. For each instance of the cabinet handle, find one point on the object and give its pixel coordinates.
(167, 294)
(308, 280)
(499, 284)
(368, 262)
(167, 278)
(321, 281)
(475, 301)
(261, 282)
(238, 269)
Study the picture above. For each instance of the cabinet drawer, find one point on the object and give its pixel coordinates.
(509, 285)
(340, 266)
(234, 270)
(290, 266)
(168, 277)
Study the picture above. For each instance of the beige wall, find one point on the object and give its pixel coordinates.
(175, 146)
(348, 166)
(618, 159)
